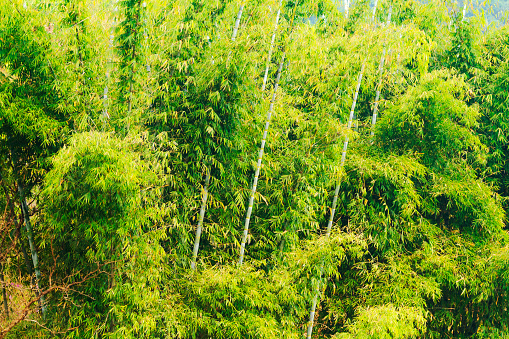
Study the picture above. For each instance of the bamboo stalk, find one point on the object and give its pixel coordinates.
(205, 194)
(379, 85)
(345, 148)
(259, 163)
(265, 76)
(18, 221)
(336, 194)
(131, 80)
(105, 112)
(237, 23)
(145, 35)
(200, 219)
(33, 250)
(312, 314)
(464, 9)
(374, 11)
(336, 191)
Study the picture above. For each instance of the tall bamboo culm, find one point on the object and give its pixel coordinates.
(265, 76)
(199, 228)
(335, 199)
(465, 9)
(316, 296)
(379, 85)
(205, 193)
(107, 73)
(30, 235)
(259, 163)
(237, 22)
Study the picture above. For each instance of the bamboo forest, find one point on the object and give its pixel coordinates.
(254, 169)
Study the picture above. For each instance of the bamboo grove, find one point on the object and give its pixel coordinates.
(253, 169)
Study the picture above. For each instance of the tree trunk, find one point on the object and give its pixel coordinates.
(200, 219)
(33, 250)
(259, 163)
(265, 76)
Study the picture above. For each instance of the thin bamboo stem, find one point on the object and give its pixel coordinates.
(106, 114)
(265, 76)
(33, 250)
(312, 314)
(205, 194)
(336, 191)
(259, 163)
(379, 85)
(374, 11)
(18, 221)
(237, 23)
(200, 219)
(336, 194)
(345, 148)
(464, 9)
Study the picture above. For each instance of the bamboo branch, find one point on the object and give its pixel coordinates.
(40, 297)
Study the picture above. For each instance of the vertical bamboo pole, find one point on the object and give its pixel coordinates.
(336, 191)
(205, 195)
(33, 250)
(379, 85)
(374, 11)
(109, 62)
(345, 147)
(145, 35)
(464, 9)
(237, 22)
(259, 163)
(134, 51)
(265, 76)
(17, 220)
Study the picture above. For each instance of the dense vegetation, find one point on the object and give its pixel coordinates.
(258, 169)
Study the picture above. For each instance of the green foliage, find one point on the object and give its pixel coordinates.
(100, 204)
(419, 246)
(387, 322)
